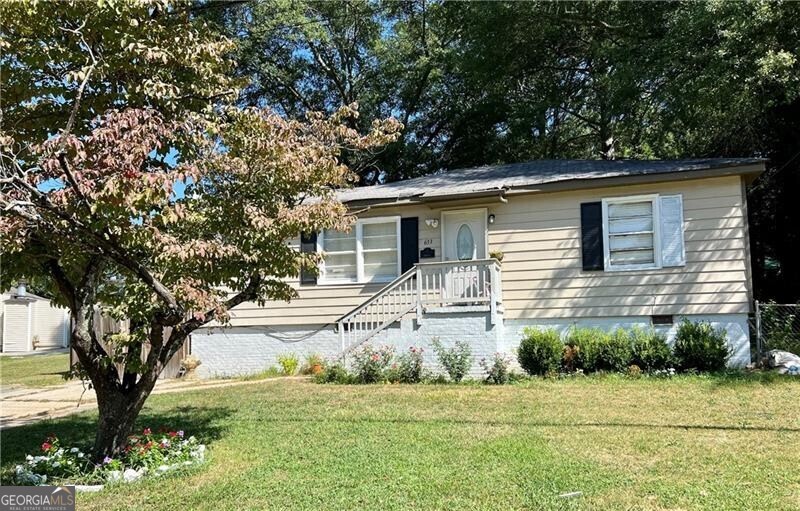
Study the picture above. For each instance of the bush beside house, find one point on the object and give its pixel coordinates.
(634, 352)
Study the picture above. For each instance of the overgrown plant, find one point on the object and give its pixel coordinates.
(456, 361)
(540, 351)
(496, 368)
(288, 363)
(700, 346)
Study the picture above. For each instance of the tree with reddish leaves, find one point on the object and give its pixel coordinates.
(167, 216)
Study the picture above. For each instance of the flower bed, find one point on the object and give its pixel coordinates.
(145, 454)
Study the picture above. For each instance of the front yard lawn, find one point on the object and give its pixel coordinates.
(687, 443)
(34, 370)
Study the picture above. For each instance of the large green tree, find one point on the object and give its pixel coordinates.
(318, 55)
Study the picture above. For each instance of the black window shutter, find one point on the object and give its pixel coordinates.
(409, 243)
(592, 235)
(308, 244)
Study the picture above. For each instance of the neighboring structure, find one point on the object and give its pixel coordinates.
(31, 323)
(591, 243)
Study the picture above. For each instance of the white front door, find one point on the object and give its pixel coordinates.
(464, 239)
(464, 234)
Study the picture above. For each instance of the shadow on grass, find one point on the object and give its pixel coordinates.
(205, 423)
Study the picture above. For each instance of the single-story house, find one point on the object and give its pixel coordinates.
(31, 323)
(478, 254)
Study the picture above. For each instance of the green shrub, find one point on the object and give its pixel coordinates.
(288, 363)
(650, 350)
(584, 345)
(456, 361)
(497, 369)
(540, 351)
(334, 373)
(370, 363)
(701, 347)
(614, 351)
(409, 366)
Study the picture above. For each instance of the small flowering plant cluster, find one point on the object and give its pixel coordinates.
(369, 363)
(409, 366)
(55, 462)
(145, 453)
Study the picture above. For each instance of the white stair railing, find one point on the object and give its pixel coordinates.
(426, 286)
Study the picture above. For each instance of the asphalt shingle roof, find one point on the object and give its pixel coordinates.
(529, 174)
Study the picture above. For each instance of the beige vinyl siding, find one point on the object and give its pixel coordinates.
(539, 233)
(49, 324)
(16, 329)
(542, 270)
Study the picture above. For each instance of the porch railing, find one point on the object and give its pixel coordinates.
(424, 288)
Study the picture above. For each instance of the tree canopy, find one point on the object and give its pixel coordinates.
(132, 187)
(493, 82)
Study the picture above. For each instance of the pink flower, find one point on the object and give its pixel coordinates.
(146, 431)
(46, 446)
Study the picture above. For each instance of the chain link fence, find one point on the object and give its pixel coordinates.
(777, 327)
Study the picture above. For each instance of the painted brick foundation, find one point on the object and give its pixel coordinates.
(244, 350)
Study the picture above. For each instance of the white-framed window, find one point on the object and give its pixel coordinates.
(631, 227)
(369, 252)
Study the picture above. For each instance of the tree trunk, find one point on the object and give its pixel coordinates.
(118, 411)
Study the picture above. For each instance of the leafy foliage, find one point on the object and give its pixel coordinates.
(650, 351)
(700, 346)
(369, 363)
(492, 82)
(129, 183)
(540, 351)
(334, 373)
(455, 360)
(409, 366)
(289, 363)
(497, 368)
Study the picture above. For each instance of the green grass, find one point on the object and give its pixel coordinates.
(711, 443)
(34, 370)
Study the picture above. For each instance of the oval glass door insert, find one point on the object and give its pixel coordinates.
(465, 243)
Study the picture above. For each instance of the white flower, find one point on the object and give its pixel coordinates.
(80, 455)
(56, 464)
(74, 450)
(131, 475)
(29, 457)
